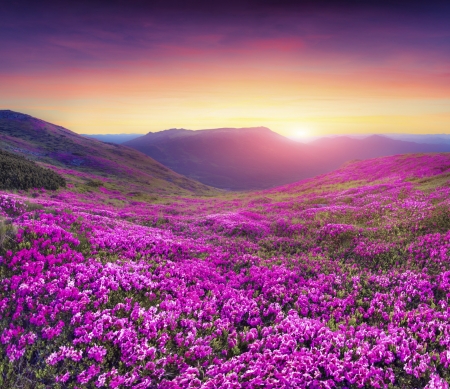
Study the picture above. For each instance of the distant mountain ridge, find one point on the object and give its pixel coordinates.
(373, 146)
(57, 146)
(422, 138)
(417, 138)
(112, 138)
(226, 158)
(257, 158)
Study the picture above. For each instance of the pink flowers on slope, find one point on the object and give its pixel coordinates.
(281, 294)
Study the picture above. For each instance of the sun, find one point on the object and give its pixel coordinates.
(301, 133)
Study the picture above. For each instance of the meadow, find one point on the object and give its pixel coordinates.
(340, 281)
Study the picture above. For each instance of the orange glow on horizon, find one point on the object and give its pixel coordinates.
(148, 97)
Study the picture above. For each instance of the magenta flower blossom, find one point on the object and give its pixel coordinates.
(342, 281)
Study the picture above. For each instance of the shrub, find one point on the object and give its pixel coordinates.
(16, 172)
(7, 233)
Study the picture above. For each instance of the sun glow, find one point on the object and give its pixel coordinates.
(155, 72)
(301, 133)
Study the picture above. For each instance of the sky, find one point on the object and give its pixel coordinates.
(300, 68)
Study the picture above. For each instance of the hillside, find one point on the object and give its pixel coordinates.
(341, 148)
(85, 160)
(338, 281)
(422, 138)
(229, 158)
(258, 158)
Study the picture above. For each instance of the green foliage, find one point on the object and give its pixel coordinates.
(16, 172)
(7, 233)
(438, 220)
(94, 183)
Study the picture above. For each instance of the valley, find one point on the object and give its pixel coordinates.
(339, 280)
(257, 158)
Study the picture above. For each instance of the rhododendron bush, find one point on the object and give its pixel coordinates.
(342, 281)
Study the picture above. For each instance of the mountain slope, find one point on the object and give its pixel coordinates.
(63, 149)
(230, 158)
(422, 138)
(373, 146)
(258, 158)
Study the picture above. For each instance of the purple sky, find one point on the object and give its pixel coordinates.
(402, 45)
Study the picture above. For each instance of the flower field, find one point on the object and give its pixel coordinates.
(340, 281)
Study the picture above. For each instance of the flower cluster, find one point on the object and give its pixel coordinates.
(334, 282)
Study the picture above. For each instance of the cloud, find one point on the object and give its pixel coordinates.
(324, 36)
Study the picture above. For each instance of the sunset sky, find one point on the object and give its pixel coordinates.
(300, 68)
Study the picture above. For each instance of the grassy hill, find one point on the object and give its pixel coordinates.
(84, 161)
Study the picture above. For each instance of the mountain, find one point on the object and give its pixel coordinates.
(258, 158)
(82, 159)
(422, 138)
(112, 138)
(371, 147)
(228, 158)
